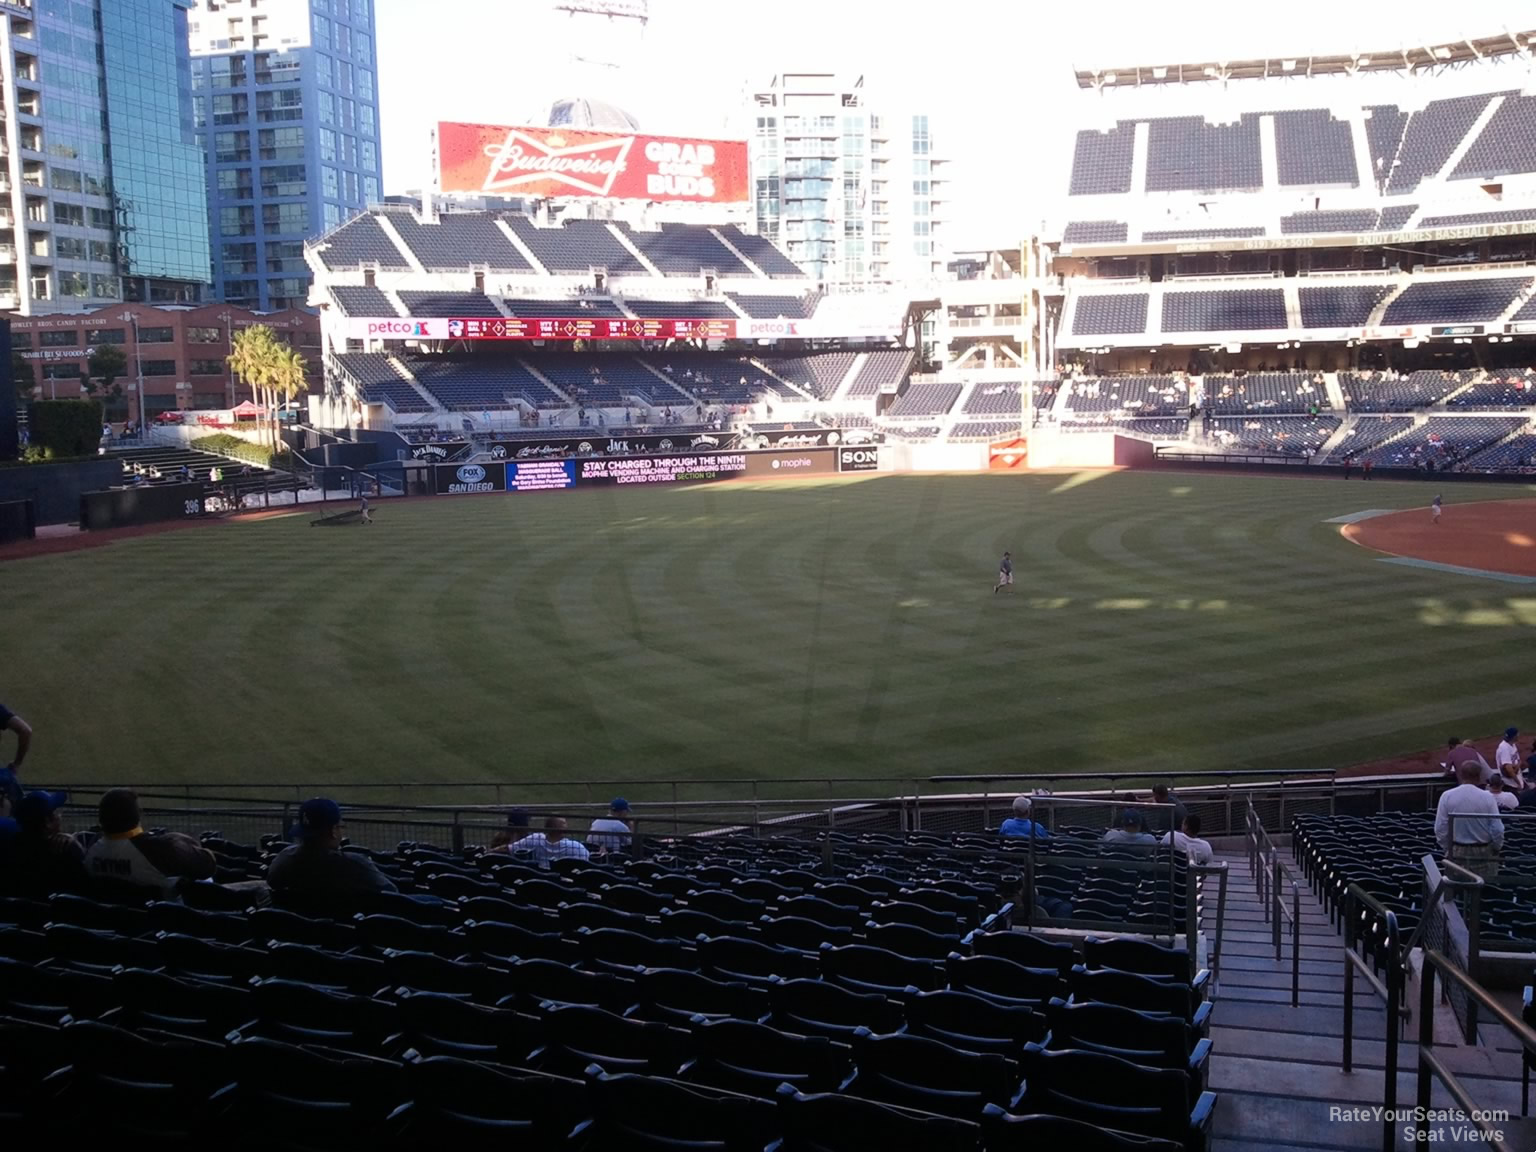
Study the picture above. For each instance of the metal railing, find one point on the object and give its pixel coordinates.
(1390, 990)
(1270, 876)
(1431, 1067)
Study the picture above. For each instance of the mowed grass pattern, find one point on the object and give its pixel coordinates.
(1161, 623)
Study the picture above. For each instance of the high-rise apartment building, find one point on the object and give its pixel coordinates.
(846, 182)
(100, 173)
(287, 108)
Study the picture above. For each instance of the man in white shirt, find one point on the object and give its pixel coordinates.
(1508, 752)
(1503, 798)
(1187, 839)
(550, 844)
(1477, 842)
(611, 833)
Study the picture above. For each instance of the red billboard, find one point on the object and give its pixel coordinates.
(550, 162)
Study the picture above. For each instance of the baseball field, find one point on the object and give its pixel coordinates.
(1161, 623)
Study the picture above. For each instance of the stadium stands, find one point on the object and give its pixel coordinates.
(1279, 435)
(818, 374)
(381, 383)
(1368, 433)
(1101, 164)
(930, 398)
(758, 249)
(685, 250)
(1313, 149)
(1384, 392)
(448, 304)
(1191, 154)
(1384, 126)
(576, 247)
(1096, 232)
(604, 380)
(459, 240)
(1453, 301)
(1441, 440)
(580, 308)
(1127, 395)
(718, 379)
(970, 430)
(1340, 305)
(1121, 314)
(775, 307)
(1264, 392)
(996, 399)
(1394, 217)
(681, 309)
(1233, 232)
(1506, 144)
(1347, 220)
(358, 243)
(1497, 390)
(1430, 136)
(482, 383)
(750, 979)
(1466, 219)
(1224, 310)
(881, 368)
(362, 300)
(1515, 454)
(1162, 428)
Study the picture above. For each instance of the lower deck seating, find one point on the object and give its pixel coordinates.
(707, 995)
(1442, 441)
(1279, 435)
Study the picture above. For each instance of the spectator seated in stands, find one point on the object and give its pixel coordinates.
(10, 722)
(1167, 819)
(551, 844)
(517, 827)
(42, 858)
(1476, 843)
(1130, 829)
(316, 865)
(1020, 823)
(127, 854)
(1501, 796)
(611, 833)
(1187, 840)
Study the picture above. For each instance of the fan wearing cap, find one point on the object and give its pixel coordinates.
(613, 832)
(316, 865)
(43, 858)
(1506, 758)
(127, 854)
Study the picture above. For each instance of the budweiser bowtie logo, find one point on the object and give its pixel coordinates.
(523, 159)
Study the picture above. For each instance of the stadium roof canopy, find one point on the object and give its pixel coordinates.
(1405, 59)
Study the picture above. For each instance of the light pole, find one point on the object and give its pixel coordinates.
(138, 363)
(229, 346)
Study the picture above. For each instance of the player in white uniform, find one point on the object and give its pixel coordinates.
(1434, 510)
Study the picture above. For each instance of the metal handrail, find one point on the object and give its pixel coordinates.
(1390, 990)
(1432, 1067)
(1270, 876)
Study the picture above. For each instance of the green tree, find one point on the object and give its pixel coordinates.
(272, 370)
(106, 364)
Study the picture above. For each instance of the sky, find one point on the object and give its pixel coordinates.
(996, 77)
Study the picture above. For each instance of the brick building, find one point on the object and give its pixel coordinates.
(180, 350)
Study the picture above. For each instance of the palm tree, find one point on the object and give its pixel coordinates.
(269, 367)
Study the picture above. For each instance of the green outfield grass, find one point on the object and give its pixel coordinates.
(1161, 623)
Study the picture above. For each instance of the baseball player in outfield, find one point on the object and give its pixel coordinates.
(1004, 574)
(1434, 510)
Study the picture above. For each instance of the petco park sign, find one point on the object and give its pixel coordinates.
(554, 162)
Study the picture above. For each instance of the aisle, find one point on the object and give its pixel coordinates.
(1276, 1068)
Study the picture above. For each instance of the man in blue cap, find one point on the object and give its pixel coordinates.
(44, 859)
(612, 833)
(316, 865)
(10, 722)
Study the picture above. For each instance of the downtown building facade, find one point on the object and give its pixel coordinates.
(101, 177)
(286, 108)
(847, 182)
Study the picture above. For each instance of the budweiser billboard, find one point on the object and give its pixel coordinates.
(551, 162)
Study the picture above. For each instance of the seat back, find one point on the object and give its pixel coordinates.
(823, 1122)
(1142, 956)
(1024, 948)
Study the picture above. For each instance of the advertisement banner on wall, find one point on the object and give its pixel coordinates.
(779, 465)
(858, 458)
(514, 160)
(662, 469)
(467, 479)
(540, 475)
(535, 328)
(438, 452)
